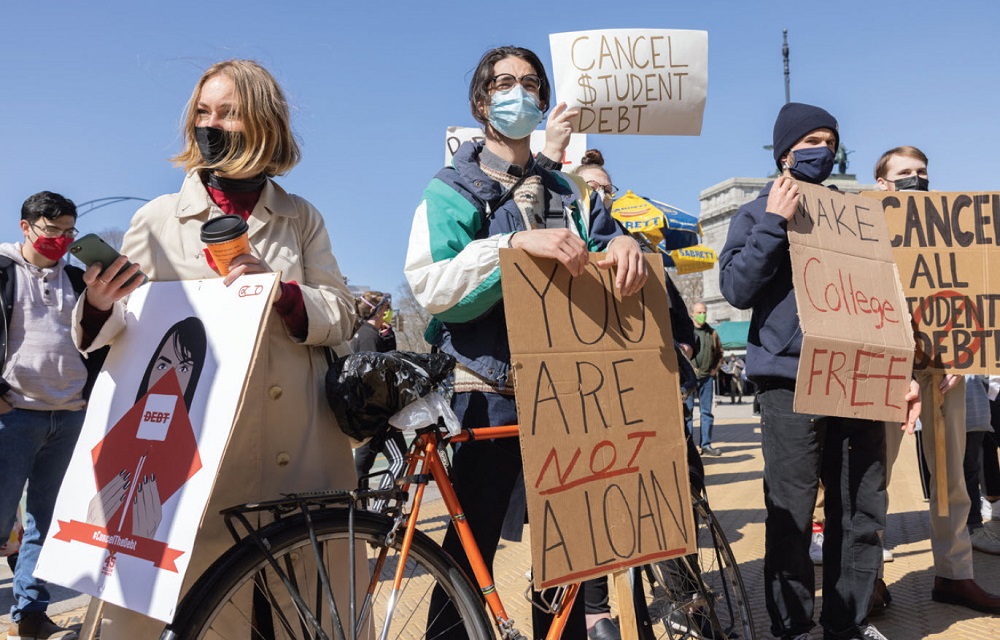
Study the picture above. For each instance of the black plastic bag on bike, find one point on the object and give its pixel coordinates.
(366, 389)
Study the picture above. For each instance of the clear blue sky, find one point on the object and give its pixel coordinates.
(93, 95)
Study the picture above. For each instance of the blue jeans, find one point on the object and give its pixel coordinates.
(35, 446)
(705, 391)
(848, 455)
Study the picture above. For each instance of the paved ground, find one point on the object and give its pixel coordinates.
(735, 493)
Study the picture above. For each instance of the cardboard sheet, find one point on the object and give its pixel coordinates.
(944, 244)
(602, 430)
(857, 345)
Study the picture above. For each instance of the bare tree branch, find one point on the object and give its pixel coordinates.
(113, 236)
(410, 322)
(690, 285)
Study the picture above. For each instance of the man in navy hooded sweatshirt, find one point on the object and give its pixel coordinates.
(799, 449)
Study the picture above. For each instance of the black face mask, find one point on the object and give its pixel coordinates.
(214, 144)
(912, 183)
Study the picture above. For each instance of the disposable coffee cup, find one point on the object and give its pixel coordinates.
(226, 237)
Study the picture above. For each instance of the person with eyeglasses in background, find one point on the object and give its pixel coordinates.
(44, 387)
(591, 169)
(494, 195)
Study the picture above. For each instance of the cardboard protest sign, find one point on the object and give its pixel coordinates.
(943, 244)
(857, 346)
(632, 81)
(157, 425)
(602, 431)
(455, 136)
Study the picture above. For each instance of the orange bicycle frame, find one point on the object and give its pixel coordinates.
(424, 453)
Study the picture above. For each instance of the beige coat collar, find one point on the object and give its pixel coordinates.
(195, 201)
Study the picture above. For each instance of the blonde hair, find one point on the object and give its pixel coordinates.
(267, 143)
(882, 166)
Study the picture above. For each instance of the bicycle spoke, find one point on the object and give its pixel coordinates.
(700, 596)
(290, 573)
(406, 594)
(291, 592)
(284, 590)
(259, 630)
(282, 618)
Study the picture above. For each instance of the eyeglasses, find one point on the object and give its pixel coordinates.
(506, 82)
(54, 232)
(608, 189)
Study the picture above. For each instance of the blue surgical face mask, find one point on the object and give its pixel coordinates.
(812, 164)
(515, 113)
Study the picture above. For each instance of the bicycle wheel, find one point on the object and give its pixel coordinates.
(242, 596)
(696, 596)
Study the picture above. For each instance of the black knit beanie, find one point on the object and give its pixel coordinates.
(796, 120)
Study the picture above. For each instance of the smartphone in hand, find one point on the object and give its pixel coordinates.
(91, 248)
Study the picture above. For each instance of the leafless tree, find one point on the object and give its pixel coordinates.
(690, 285)
(410, 322)
(113, 236)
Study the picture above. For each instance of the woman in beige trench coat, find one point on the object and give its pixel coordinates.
(285, 439)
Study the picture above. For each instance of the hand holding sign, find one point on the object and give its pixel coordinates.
(563, 245)
(245, 264)
(560, 244)
(630, 267)
(949, 382)
(455, 137)
(913, 406)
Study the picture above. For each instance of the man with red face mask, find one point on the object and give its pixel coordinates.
(44, 383)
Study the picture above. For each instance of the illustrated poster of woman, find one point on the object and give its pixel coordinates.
(152, 451)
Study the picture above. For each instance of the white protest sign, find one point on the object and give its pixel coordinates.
(632, 81)
(455, 136)
(157, 425)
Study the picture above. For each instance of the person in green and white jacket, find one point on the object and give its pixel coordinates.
(495, 195)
